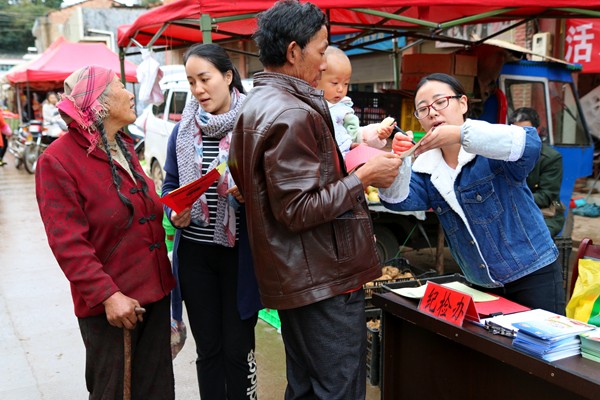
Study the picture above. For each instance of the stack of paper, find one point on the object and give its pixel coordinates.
(551, 338)
(590, 345)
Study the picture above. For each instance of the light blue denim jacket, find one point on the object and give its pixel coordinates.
(495, 231)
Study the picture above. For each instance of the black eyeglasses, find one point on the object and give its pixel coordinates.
(437, 105)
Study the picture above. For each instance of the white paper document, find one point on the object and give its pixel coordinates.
(419, 292)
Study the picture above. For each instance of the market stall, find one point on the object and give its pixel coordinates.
(181, 23)
(61, 59)
(56, 63)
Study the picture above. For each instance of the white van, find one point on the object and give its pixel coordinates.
(158, 121)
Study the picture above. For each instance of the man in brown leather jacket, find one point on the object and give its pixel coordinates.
(309, 226)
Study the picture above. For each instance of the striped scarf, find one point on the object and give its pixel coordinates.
(80, 99)
(196, 123)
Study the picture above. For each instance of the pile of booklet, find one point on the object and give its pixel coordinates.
(590, 345)
(552, 338)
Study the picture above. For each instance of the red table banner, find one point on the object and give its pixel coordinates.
(448, 304)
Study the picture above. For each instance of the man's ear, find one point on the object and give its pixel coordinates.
(293, 53)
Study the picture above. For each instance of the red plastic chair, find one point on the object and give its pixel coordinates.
(587, 248)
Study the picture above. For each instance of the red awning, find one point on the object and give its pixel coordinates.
(61, 59)
(179, 22)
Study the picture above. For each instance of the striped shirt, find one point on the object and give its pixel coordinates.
(205, 234)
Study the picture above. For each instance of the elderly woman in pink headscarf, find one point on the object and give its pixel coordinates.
(103, 220)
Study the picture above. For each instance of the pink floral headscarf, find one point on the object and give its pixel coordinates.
(80, 99)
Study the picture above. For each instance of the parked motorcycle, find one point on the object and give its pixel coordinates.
(40, 141)
(18, 141)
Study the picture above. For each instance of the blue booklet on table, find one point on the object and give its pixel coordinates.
(553, 328)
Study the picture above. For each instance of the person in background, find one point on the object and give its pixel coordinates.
(52, 120)
(211, 254)
(334, 82)
(103, 221)
(545, 179)
(36, 107)
(310, 230)
(49, 109)
(26, 111)
(472, 174)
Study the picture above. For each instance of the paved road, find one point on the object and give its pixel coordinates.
(41, 351)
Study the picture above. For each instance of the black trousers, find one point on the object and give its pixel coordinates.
(226, 364)
(326, 347)
(540, 289)
(151, 364)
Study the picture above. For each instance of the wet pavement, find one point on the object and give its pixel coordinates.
(41, 351)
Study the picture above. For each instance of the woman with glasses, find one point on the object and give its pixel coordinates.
(472, 174)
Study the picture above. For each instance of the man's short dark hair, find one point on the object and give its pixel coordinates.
(525, 114)
(285, 22)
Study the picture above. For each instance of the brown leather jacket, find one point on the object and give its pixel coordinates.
(310, 230)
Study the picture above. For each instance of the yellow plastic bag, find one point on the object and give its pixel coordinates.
(585, 302)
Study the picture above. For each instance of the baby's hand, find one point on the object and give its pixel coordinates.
(385, 131)
(401, 142)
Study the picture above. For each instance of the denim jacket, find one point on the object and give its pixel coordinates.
(495, 231)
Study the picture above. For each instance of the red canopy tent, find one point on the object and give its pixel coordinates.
(184, 22)
(61, 59)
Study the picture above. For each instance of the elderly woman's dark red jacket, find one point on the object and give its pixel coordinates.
(86, 224)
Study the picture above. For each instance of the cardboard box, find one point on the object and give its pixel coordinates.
(410, 81)
(452, 64)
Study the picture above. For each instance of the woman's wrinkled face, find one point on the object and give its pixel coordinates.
(209, 85)
(120, 103)
(433, 91)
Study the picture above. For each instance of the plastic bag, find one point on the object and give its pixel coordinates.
(178, 336)
(588, 210)
(584, 305)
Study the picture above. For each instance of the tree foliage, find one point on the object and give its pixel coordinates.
(17, 18)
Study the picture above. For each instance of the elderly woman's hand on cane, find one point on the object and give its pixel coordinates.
(120, 311)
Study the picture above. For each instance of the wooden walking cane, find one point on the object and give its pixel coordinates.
(127, 358)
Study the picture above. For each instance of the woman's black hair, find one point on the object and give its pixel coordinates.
(217, 56)
(116, 178)
(449, 80)
(525, 114)
(285, 22)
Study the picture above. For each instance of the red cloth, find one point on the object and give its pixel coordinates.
(86, 226)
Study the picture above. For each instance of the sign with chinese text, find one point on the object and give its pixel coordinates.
(450, 305)
(583, 44)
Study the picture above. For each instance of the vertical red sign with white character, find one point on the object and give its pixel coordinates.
(583, 44)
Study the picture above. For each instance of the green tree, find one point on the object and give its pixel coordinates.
(16, 22)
